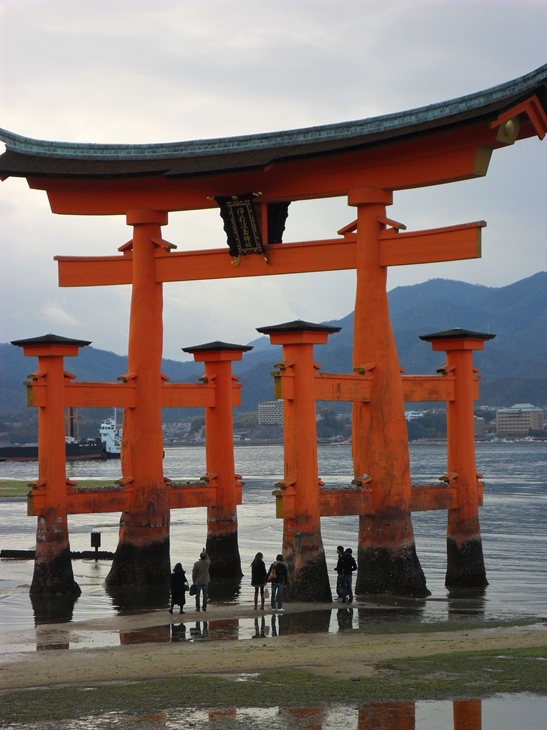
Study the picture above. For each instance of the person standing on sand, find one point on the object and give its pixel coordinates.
(258, 578)
(278, 576)
(340, 571)
(201, 579)
(349, 566)
(179, 586)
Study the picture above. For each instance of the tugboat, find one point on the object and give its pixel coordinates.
(111, 437)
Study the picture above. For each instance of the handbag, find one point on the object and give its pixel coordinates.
(192, 590)
(272, 576)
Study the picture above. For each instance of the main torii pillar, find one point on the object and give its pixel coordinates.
(387, 557)
(142, 555)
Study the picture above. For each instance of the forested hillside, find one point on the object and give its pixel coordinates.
(513, 366)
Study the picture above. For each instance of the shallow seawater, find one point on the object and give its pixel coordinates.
(513, 523)
(505, 712)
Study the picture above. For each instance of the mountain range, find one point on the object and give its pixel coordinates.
(513, 366)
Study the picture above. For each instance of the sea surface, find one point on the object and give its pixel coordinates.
(514, 533)
(513, 523)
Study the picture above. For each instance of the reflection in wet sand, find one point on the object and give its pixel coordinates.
(149, 635)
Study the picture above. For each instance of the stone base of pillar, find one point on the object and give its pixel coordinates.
(223, 549)
(140, 564)
(465, 564)
(53, 574)
(387, 559)
(50, 609)
(308, 572)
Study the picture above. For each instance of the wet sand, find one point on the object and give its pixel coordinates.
(341, 655)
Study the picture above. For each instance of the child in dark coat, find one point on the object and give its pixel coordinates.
(179, 586)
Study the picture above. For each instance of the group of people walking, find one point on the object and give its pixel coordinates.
(199, 587)
(276, 577)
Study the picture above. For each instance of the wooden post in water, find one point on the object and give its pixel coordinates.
(302, 543)
(53, 573)
(387, 557)
(222, 542)
(465, 560)
(142, 555)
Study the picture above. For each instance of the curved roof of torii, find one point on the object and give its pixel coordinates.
(26, 157)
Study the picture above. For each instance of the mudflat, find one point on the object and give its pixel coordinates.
(341, 655)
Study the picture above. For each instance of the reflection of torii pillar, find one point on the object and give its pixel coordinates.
(222, 544)
(387, 556)
(142, 555)
(302, 543)
(53, 573)
(465, 560)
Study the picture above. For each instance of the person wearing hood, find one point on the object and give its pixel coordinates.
(201, 579)
(278, 576)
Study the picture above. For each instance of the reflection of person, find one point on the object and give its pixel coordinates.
(178, 632)
(201, 579)
(179, 586)
(258, 578)
(345, 618)
(198, 632)
(349, 565)
(275, 630)
(260, 629)
(279, 582)
(340, 571)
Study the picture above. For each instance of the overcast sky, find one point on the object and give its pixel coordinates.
(169, 70)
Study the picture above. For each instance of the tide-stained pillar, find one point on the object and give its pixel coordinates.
(387, 557)
(53, 573)
(396, 715)
(302, 542)
(465, 560)
(222, 542)
(142, 555)
(467, 714)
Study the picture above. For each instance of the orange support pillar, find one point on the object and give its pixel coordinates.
(53, 566)
(465, 560)
(142, 555)
(387, 557)
(302, 543)
(222, 543)
(396, 715)
(467, 714)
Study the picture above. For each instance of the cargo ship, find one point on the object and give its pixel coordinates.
(106, 446)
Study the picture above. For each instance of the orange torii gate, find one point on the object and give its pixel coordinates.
(51, 389)
(365, 161)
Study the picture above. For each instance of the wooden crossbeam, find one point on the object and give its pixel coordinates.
(119, 499)
(329, 386)
(123, 395)
(451, 243)
(415, 247)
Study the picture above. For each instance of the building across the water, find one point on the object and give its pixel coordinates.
(270, 413)
(519, 420)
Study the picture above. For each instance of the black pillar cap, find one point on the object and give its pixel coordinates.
(217, 345)
(298, 325)
(457, 333)
(50, 339)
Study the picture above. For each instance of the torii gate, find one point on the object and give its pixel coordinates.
(364, 161)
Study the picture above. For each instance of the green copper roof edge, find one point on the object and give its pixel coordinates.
(225, 145)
